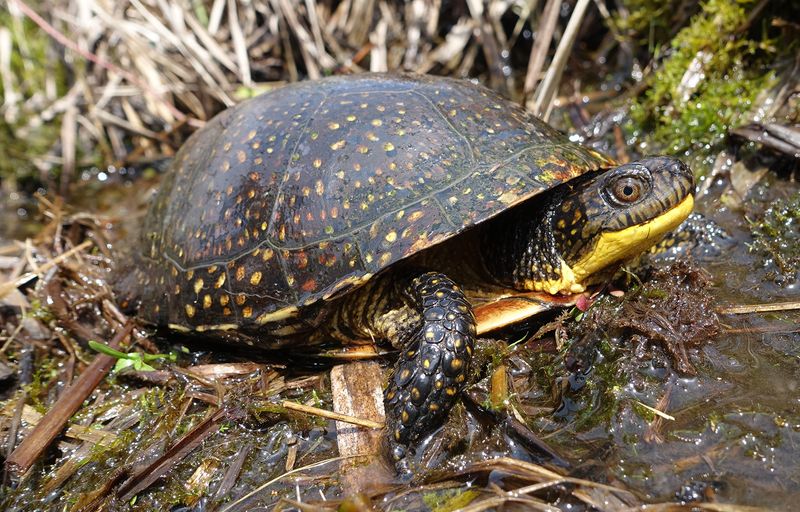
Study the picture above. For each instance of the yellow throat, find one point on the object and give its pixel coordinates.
(618, 245)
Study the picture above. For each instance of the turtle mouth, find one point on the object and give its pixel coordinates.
(615, 246)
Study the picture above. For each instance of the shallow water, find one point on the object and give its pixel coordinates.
(735, 434)
(736, 431)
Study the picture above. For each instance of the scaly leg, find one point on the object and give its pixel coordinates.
(430, 320)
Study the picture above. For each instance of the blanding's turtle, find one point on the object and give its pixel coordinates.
(378, 207)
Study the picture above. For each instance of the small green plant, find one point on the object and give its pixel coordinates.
(136, 360)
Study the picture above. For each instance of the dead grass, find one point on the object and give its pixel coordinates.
(140, 71)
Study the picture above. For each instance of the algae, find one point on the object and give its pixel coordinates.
(776, 236)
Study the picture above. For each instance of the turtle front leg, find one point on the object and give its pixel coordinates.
(429, 319)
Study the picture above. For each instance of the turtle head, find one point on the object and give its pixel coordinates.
(601, 219)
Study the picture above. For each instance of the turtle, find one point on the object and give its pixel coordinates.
(380, 207)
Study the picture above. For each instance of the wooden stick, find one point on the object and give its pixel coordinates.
(330, 414)
(23, 457)
(759, 308)
(145, 476)
(357, 391)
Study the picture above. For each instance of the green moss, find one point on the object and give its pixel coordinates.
(449, 499)
(649, 22)
(45, 371)
(705, 85)
(776, 235)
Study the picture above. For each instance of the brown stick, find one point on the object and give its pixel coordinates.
(23, 457)
(144, 477)
(314, 411)
(759, 308)
(357, 389)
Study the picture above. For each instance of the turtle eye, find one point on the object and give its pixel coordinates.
(627, 190)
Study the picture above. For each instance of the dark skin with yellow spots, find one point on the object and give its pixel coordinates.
(371, 207)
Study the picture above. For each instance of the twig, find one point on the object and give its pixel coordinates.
(70, 400)
(755, 308)
(544, 95)
(544, 34)
(330, 414)
(16, 283)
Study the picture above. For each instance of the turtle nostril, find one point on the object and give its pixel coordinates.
(682, 170)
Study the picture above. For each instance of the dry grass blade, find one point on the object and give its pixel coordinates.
(378, 55)
(241, 503)
(497, 502)
(534, 472)
(323, 413)
(450, 52)
(674, 507)
(544, 35)
(61, 38)
(759, 308)
(491, 47)
(547, 90)
(239, 45)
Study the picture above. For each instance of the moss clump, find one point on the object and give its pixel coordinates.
(707, 82)
(650, 22)
(777, 236)
(449, 499)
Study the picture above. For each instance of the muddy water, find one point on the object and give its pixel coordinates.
(737, 424)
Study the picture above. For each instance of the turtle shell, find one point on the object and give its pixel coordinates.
(299, 195)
